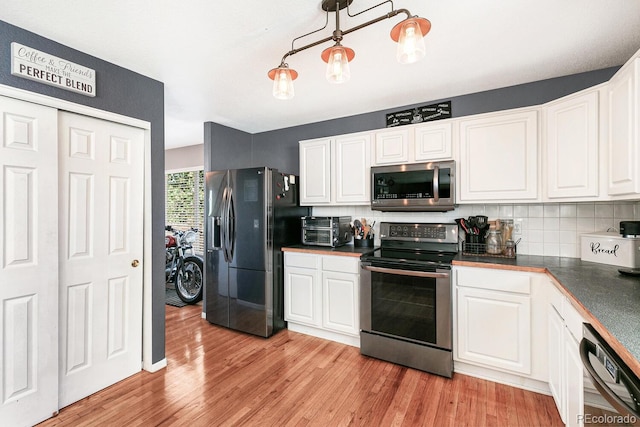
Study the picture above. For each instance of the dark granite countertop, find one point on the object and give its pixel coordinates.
(346, 250)
(609, 299)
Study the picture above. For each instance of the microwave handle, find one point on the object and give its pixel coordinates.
(436, 184)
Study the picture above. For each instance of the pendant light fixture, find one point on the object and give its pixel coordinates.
(409, 35)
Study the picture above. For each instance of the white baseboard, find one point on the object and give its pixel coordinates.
(512, 380)
(155, 367)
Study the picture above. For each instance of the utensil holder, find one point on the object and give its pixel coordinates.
(362, 243)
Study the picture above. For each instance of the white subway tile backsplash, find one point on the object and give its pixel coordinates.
(552, 229)
(586, 210)
(568, 210)
(536, 211)
(604, 210)
(551, 211)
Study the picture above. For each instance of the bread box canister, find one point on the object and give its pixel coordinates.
(610, 248)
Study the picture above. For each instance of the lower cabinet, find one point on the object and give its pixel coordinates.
(566, 378)
(321, 296)
(500, 326)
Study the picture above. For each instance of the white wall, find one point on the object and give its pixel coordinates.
(184, 158)
(550, 229)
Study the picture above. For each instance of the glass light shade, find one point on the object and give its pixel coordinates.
(410, 43)
(282, 82)
(338, 65)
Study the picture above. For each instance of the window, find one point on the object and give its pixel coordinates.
(184, 203)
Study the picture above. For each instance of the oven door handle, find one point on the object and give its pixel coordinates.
(406, 272)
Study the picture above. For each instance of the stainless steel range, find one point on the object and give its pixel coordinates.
(405, 296)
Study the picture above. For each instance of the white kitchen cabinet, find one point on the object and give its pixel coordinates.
(302, 290)
(624, 152)
(571, 148)
(433, 141)
(315, 172)
(566, 378)
(494, 329)
(335, 171)
(499, 157)
(391, 147)
(351, 161)
(500, 324)
(414, 143)
(321, 296)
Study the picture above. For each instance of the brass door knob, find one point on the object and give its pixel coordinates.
(135, 263)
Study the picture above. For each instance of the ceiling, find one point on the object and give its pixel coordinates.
(213, 56)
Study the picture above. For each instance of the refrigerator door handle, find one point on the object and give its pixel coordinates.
(224, 227)
(231, 215)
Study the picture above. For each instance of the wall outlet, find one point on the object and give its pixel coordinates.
(517, 227)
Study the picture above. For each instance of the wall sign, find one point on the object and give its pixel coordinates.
(41, 67)
(425, 113)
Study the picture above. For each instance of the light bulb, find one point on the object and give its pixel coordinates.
(283, 83)
(338, 65)
(411, 43)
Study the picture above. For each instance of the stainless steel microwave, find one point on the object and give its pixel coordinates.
(418, 187)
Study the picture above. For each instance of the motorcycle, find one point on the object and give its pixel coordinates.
(183, 267)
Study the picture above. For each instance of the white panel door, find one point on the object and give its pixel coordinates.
(499, 157)
(28, 263)
(572, 146)
(101, 235)
(433, 141)
(315, 172)
(351, 157)
(494, 329)
(391, 147)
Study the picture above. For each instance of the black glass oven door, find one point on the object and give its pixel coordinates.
(406, 304)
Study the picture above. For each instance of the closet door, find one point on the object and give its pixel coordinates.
(28, 262)
(101, 234)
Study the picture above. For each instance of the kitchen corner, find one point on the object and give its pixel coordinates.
(608, 300)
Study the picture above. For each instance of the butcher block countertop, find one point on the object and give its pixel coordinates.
(607, 299)
(346, 250)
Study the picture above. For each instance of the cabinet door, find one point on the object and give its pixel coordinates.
(392, 147)
(573, 369)
(432, 142)
(556, 355)
(352, 162)
(302, 296)
(571, 154)
(623, 133)
(494, 329)
(499, 157)
(340, 302)
(315, 172)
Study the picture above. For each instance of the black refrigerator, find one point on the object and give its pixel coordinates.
(250, 214)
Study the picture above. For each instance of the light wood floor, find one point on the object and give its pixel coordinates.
(217, 377)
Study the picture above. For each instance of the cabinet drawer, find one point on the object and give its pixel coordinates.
(556, 299)
(301, 260)
(344, 264)
(573, 320)
(483, 278)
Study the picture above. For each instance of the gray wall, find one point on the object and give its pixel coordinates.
(279, 148)
(120, 91)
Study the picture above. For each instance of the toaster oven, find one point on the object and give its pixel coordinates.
(326, 230)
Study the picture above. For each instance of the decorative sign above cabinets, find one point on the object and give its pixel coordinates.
(41, 67)
(422, 114)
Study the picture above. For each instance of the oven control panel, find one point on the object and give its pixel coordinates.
(422, 232)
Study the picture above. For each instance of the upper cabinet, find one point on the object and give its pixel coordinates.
(571, 148)
(624, 154)
(315, 171)
(335, 170)
(413, 144)
(499, 157)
